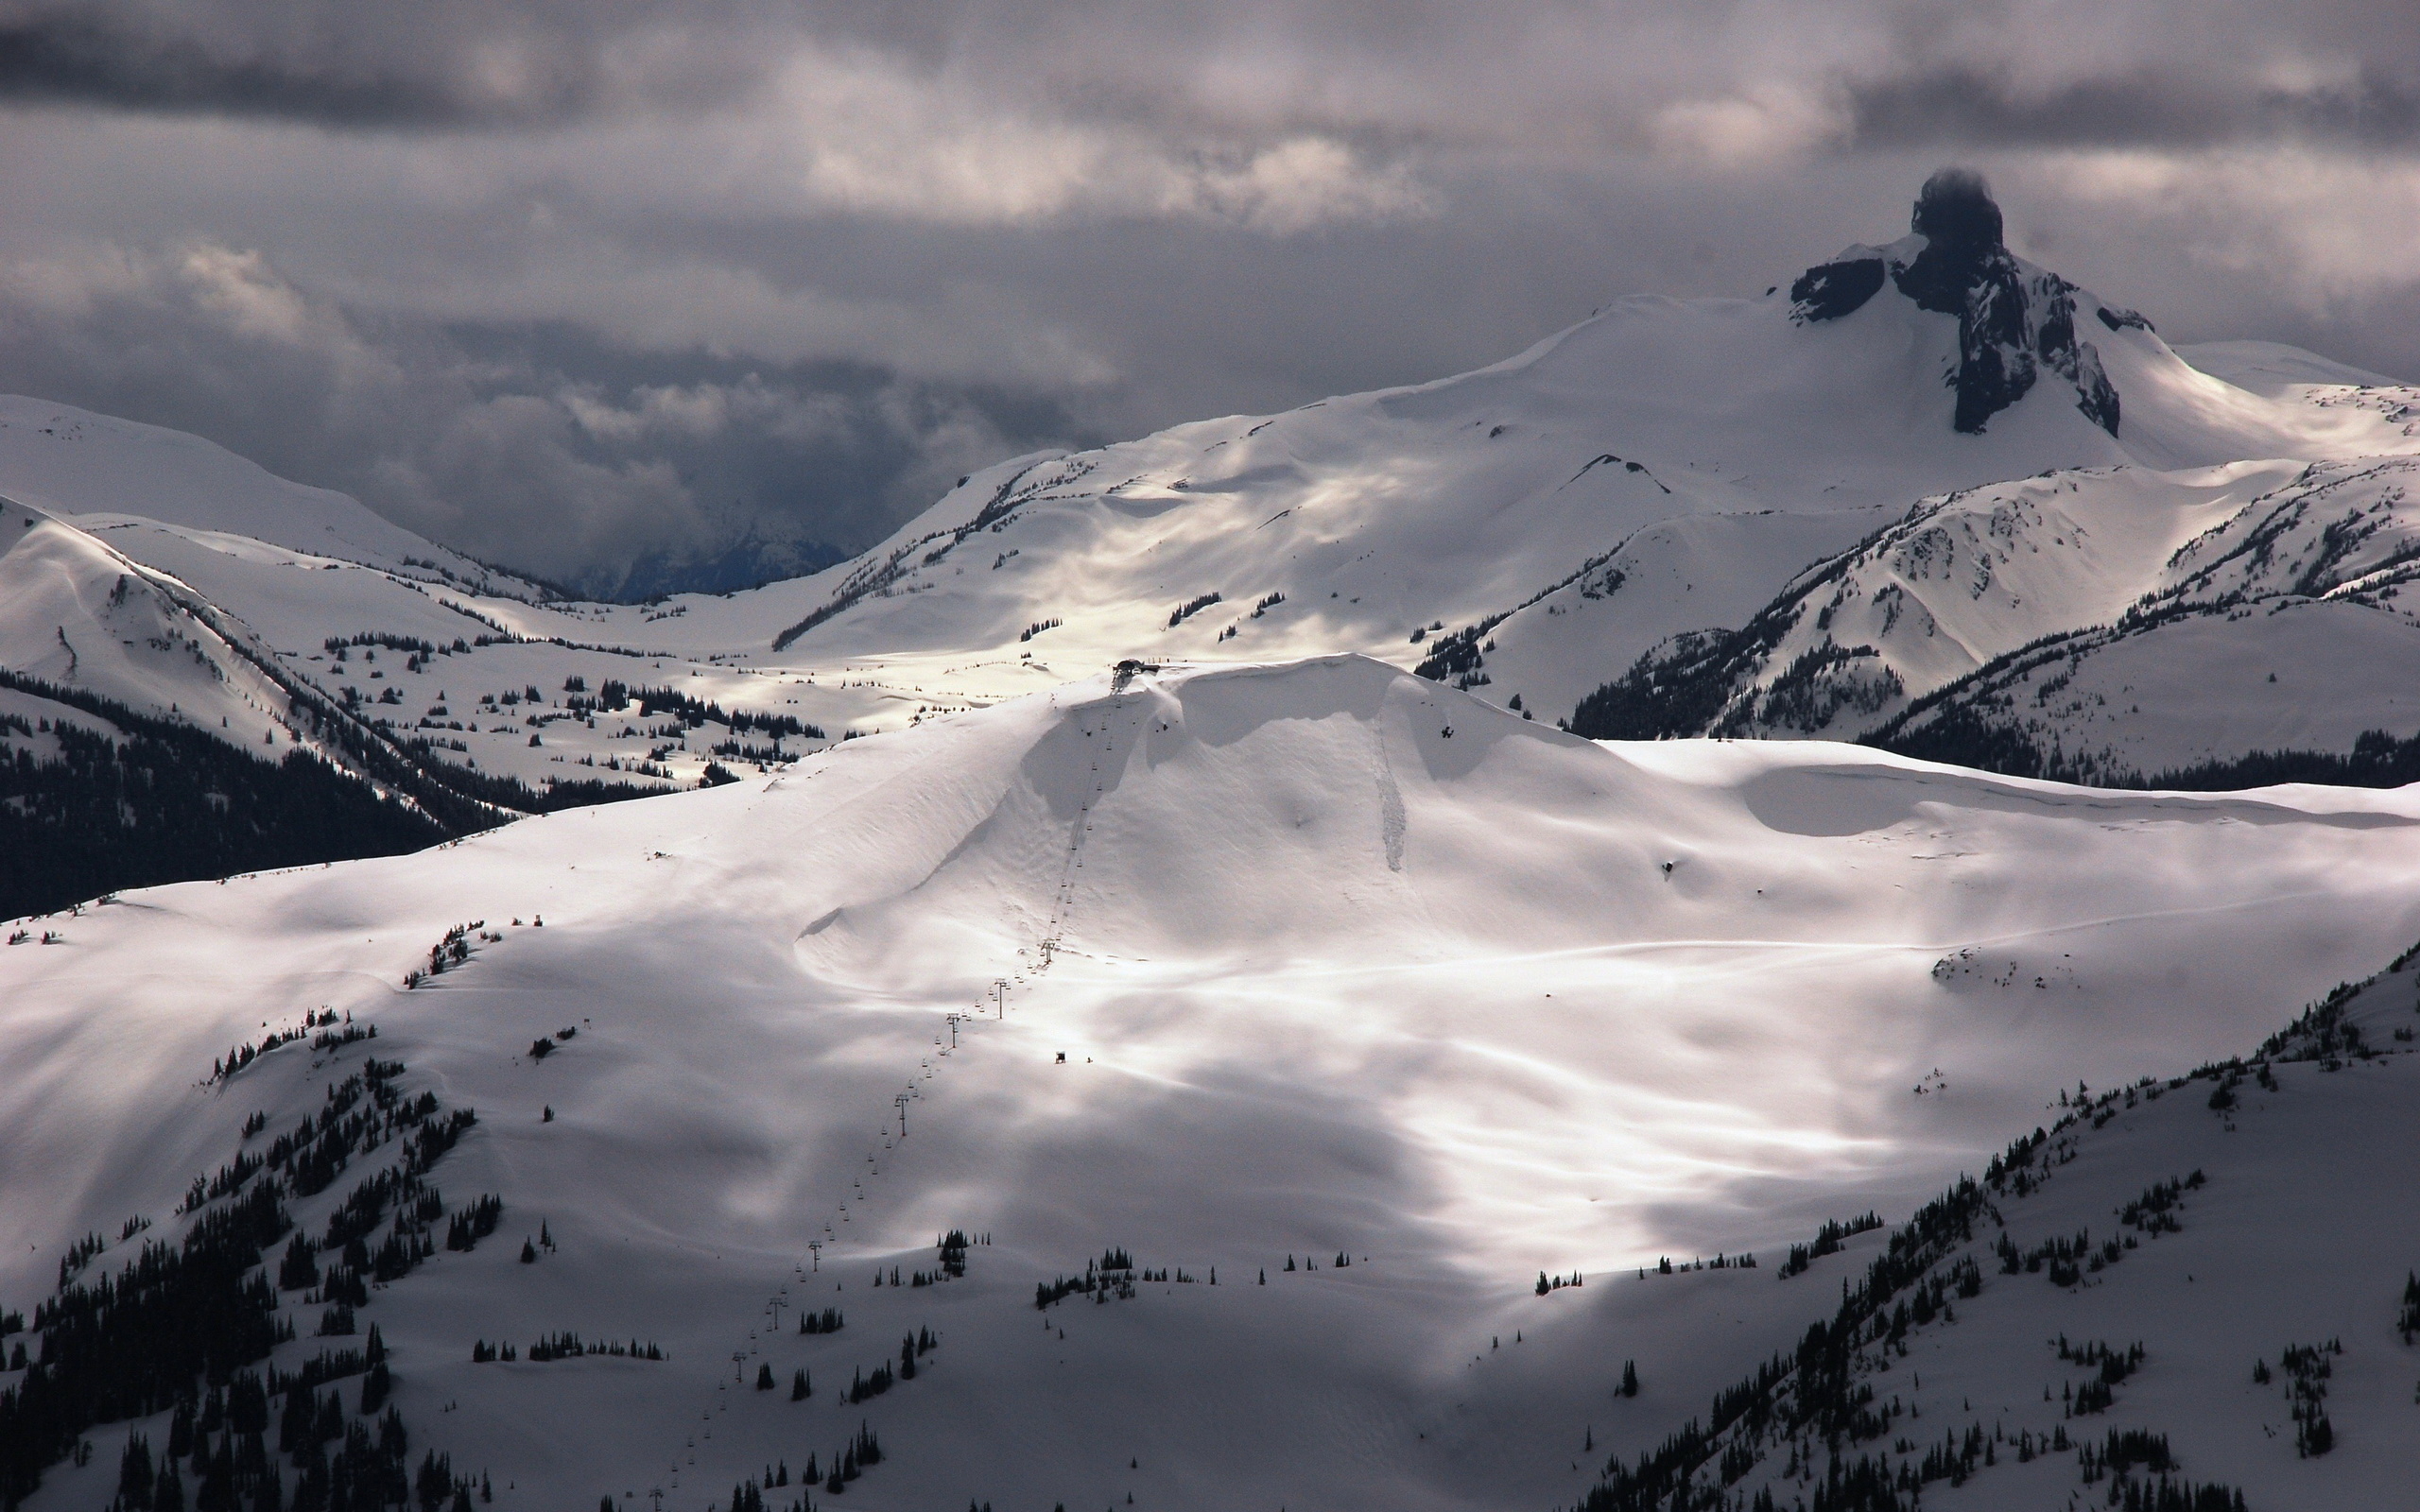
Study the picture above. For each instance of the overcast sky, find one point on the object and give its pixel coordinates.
(565, 281)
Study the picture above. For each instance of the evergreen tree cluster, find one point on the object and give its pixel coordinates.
(242, 1056)
(864, 1387)
(855, 1458)
(2323, 1033)
(613, 696)
(178, 1324)
(502, 793)
(1189, 608)
(749, 1495)
(1460, 656)
(446, 953)
(1827, 1241)
(1113, 1274)
(2165, 1495)
(850, 1462)
(416, 651)
(167, 802)
(2307, 1368)
(953, 1248)
(2111, 1367)
(2155, 1211)
(132, 1344)
(2025, 1165)
(79, 1254)
(827, 1321)
(568, 1345)
(2066, 1257)
(223, 1449)
(464, 1230)
(1664, 1264)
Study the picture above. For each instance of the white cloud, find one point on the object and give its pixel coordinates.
(1770, 125)
(2327, 226)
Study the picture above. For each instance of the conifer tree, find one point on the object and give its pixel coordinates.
(134, 1473)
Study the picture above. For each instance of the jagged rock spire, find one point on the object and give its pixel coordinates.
(2009, 325)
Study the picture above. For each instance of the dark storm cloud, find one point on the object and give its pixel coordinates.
(91, 59)
(1968, 106)
(533, 444)
(430, 64)
(581, 283)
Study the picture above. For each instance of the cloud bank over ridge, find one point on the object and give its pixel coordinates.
(569, 284)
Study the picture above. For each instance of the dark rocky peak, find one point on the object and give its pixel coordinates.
(1963, 252)
(2011, 324)
(1955, 210)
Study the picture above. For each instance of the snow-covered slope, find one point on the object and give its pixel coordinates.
(2275, 368)
(2133, 621)
(94, 468)
(1235, 967)
(75, 613)
(2123, 1311)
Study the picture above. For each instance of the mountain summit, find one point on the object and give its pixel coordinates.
(2014, 318)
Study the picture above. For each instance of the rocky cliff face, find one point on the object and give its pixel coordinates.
(2014, 321)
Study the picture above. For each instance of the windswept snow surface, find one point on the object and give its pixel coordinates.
(1340, 962)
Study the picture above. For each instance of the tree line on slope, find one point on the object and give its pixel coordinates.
(183, 1326)
(170, 802)
(1817, 1399)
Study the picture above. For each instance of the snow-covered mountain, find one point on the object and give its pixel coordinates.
(1650, 471)
(2112, 622)
(1286, 1027)
(1259, 1075)
(1900, 426)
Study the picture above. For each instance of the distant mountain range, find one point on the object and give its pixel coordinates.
(1215, 1041)
(1925, 493)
